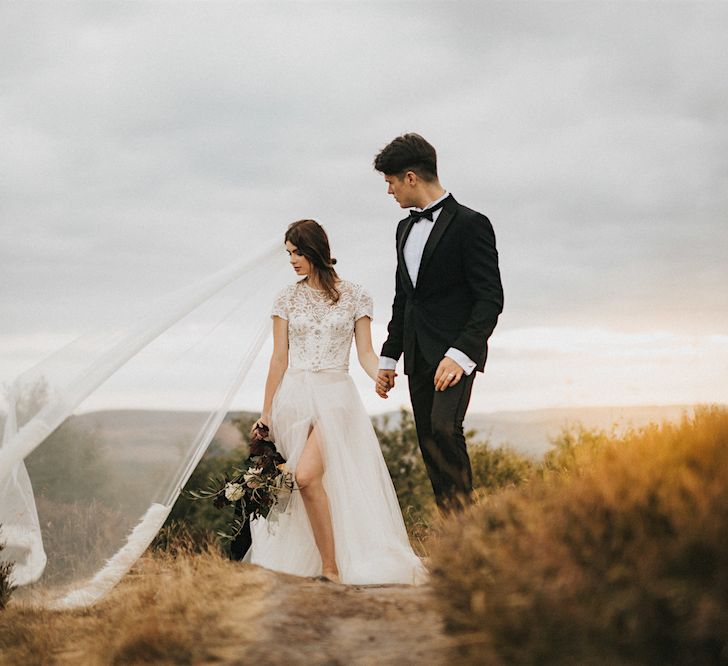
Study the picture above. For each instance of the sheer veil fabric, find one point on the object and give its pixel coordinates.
(88, 473)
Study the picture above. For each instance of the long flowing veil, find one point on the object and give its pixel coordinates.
(88, 474)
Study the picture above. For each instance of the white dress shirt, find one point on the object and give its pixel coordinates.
(413, 249)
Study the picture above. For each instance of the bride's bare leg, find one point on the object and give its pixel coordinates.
(309, 477)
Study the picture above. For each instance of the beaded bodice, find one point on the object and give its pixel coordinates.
(320, 332)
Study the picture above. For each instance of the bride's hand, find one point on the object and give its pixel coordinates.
(264, 420)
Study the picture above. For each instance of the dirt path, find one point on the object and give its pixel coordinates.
(305, 621)
(207, 610)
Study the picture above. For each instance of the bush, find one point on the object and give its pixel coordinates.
(576, 447)
(180, 539)
(493, 468)
(401, 452)
(6, 570)
(623, 558)
(497, 467)
(193, 524)
(72, 463)
(78, 537)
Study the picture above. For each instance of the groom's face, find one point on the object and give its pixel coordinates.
(401, 189)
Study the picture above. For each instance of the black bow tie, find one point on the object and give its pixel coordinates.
(418, 215)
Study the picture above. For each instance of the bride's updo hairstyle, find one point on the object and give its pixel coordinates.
(313, 243)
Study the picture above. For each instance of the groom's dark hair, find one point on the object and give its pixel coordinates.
(409, 152)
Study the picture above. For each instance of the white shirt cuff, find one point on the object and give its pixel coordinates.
(461, 359)
(386, 363)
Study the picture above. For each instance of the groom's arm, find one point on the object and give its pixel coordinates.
(480, 263)
(394, 344)
(463, 360)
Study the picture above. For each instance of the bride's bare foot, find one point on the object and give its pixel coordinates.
(331, 575)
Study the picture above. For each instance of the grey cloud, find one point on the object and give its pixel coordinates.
(149, 143)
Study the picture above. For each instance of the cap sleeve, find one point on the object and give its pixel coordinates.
(280, 305)
(364, 305)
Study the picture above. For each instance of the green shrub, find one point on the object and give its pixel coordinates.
(193, 524)
(497, 467)
(78, 537)
(6, 570)
(177, 538)
(73, 463)
(575, 447)
(493, 468)
(401, 452)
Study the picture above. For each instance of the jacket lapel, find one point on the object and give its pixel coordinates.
(442, 223)
(400, 255)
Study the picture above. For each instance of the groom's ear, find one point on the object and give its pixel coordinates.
(410, 177)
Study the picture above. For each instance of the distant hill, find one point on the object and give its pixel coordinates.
(152, 435)
(149, 433)
(529, 432)
(145, 434)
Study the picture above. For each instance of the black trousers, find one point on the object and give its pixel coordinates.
(439, 421)
(241, 543)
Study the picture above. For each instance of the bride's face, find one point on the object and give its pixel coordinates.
(300, 264)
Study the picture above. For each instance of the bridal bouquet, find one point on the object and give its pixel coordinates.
(261, 486)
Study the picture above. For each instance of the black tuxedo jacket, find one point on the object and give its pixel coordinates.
(458, 296)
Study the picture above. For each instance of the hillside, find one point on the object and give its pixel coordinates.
(611, 552)
(138, 433)
(530, 432)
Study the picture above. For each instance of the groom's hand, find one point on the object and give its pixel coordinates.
(448, 374)
(385, 382)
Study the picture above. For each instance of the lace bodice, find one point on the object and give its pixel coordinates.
(319, 332)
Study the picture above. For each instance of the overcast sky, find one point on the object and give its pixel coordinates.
(145, 145)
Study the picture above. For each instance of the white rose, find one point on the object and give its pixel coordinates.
(233, 492)
(252, 473)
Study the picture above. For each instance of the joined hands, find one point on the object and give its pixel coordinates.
(448, 373)
(384, 382)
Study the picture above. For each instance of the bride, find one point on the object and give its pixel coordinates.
(345, 524)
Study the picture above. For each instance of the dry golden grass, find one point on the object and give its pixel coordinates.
(167, 610)
(620, 559)
(197, 608)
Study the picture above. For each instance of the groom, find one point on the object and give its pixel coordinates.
(448, 296)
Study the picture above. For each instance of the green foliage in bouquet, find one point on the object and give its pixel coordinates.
(257, 487)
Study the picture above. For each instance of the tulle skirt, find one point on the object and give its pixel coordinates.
(370, 538)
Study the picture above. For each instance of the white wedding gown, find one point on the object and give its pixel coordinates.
(369, 533)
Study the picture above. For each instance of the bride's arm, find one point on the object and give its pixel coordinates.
(368, 359)
(278, 365)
